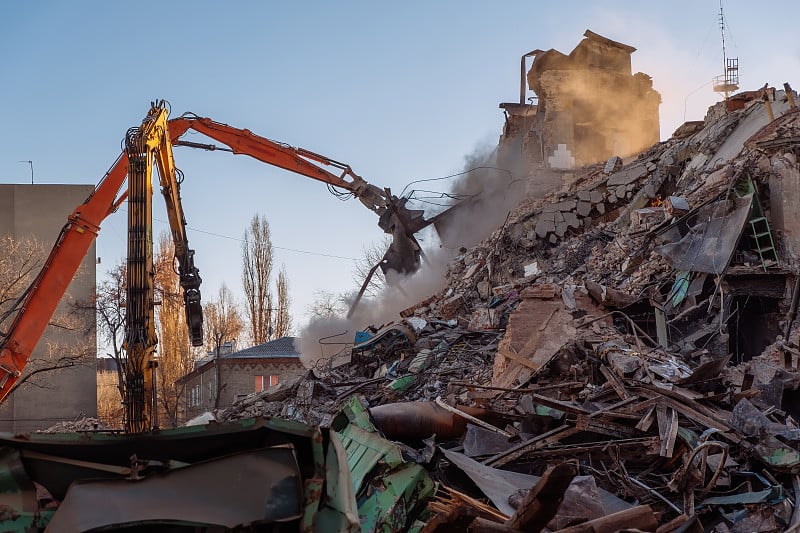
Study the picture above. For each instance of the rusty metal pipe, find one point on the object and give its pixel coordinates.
(420, 420)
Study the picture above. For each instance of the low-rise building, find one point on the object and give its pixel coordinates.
(218, 381)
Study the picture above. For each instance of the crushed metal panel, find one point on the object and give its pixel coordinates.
(772, 494)
(341, 510)
(709, 245)
(387, 488)
(254, 487)
(749, 420)
(394, 498)
(55, 461)
(365, 451)
(497, 484)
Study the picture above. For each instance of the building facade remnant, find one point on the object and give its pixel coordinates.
(589, 108)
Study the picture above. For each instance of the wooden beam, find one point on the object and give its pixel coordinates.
(514, 356)
(614, 381)
(554, 435)
(635, 518)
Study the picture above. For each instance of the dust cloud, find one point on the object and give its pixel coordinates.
(612, 114)
(486, 193)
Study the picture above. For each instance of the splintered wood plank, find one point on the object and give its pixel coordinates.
(667, 429)
(615, 382)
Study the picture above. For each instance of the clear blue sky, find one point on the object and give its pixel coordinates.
(400, 91)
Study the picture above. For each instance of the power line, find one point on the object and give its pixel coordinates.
(221, 236)
(479, 167)
(274, 246)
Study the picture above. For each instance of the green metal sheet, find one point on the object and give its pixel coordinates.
(389, 490)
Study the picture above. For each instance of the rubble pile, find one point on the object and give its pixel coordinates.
(78, 425)
(621, 354)
(400, 363)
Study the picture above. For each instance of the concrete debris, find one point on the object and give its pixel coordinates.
(77, 426)
(647, 347)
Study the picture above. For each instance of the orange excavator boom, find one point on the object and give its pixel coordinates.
(36, 306)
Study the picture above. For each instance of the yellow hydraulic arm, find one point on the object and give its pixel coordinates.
(145, 145)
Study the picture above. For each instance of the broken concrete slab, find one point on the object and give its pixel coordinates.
(613, 164)
(564, 206)
(627, 175)
(583, 209)
(572, 220)
(544, 227)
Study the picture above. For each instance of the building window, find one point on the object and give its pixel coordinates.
(263, 382)
(195, 393)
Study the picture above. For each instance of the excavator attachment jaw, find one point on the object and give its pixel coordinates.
(194, 316)
(190, 282)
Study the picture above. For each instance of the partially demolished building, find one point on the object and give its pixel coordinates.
(621, 354)
(626, 344)
(589, 107)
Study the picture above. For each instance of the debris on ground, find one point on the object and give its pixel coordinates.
(622, 353)
(77, 425)
(627, 343)
(255, 475)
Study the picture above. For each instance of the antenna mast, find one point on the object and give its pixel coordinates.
(729, 81)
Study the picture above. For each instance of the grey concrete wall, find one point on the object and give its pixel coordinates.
(41, 211)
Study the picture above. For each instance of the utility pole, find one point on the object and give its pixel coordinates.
(31, 164)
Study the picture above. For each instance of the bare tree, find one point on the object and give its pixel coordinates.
(109, 303)
(223, 323)
(327, 304)
(109, 399)
(372, 255)
(283, 320)
(256, 273)
(20, 262)
(175, 355)
(59, 357)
